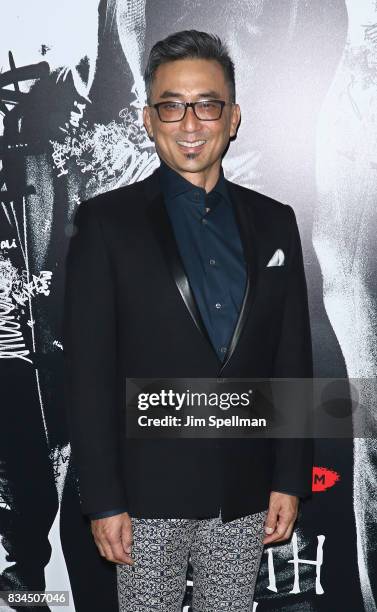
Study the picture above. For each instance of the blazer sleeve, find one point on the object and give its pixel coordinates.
(99, 515)
(294, 456)
(92, 395)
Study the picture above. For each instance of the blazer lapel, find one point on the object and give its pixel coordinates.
(246, 226)
(164, 233)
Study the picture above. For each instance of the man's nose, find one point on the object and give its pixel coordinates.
(190, 122)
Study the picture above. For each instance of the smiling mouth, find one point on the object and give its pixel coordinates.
(191, 145)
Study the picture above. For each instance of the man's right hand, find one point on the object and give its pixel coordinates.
(113, 537)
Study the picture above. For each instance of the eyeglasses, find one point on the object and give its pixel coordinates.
(204, 110)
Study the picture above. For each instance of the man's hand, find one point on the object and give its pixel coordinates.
(113, 537)
(282, 513)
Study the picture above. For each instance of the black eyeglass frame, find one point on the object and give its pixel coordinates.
(192, 105)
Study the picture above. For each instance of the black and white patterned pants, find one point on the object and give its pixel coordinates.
(225, 558)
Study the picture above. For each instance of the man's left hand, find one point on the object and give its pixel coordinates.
(282, 513)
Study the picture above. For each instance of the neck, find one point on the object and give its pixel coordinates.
(206, 178)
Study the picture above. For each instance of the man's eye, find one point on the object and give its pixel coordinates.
(207, 104)
(172, 105)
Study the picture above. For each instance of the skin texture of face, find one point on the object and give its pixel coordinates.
(188, 80)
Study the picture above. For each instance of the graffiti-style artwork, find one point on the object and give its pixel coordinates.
(120, 152)
(54, 153)
(16, 291)
(110, 155)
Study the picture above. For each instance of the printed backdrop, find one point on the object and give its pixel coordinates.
(71, 94)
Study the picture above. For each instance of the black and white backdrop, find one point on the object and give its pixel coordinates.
(71, 94)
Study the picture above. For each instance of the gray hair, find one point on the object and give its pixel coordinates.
(189, 44)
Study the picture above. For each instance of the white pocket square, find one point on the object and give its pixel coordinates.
(277, 259)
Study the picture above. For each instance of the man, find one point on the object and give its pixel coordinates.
(180, 276)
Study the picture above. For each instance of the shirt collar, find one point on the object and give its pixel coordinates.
(173, 184)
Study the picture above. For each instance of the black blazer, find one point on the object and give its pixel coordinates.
(129, 312)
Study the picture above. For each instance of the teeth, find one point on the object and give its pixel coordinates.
(191, 144)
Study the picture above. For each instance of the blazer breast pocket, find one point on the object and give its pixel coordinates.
(272, 281)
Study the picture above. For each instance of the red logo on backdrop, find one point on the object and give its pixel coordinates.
(324, 479)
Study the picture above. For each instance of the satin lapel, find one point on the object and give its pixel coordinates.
(246, 225)
(164, 233)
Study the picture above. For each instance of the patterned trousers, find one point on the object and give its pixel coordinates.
(225, 558)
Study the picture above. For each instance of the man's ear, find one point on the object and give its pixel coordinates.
(147, 121)
(235, 119)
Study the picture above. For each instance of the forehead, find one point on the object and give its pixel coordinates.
(189, 77)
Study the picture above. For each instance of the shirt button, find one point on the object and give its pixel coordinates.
(204, 221)
(212, 262)
(218, 305)
(223, 349)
